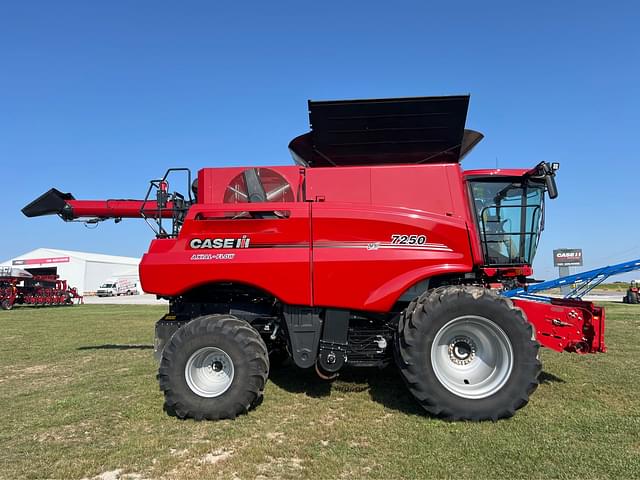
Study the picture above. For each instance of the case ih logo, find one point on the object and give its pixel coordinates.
(567, 257)
(242, 242)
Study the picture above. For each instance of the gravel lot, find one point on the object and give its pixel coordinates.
(604, 297)
(148, 299)
(145, 299)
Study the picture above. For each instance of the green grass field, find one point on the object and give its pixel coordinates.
(613, 286)
(79, 398)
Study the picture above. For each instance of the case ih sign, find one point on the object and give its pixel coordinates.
(567, 257)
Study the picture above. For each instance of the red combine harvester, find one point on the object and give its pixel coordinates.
(19, 287)
(376, 247)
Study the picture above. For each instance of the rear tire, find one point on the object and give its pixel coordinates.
(214, 367)
(6, 305)
(633, 297)
(466, 353)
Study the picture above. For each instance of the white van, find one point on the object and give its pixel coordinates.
(113, 287)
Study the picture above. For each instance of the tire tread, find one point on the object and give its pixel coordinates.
(407, 343)
(231, 328)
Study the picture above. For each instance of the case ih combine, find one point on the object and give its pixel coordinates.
(376, 247)
(19, 287)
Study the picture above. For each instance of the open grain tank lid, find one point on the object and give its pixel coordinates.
(410, 130)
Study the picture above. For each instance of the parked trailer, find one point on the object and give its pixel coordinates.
(19, 287)
(376, 247)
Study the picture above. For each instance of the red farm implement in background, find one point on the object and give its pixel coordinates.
(376, 247)
(19, 287)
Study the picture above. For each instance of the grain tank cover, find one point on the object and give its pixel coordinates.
(385, 131)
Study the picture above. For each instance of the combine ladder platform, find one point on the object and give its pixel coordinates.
(587, 282)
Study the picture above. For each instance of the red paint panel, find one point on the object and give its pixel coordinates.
(357, 266)
(336, 184)
(566, 324)
(277, 258)
(503, 172)
(214, 182)
(420, 187)
(117, 208)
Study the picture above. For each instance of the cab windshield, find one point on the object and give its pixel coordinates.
(510, 219)
(107, 285)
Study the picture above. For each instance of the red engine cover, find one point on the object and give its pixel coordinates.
(356, 237)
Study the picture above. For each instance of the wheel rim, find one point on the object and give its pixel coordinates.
(209, 372)
(472, 357)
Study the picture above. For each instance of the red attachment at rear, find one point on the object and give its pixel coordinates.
(37, 290)
(566, 324)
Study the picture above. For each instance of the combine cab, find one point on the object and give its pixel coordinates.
(19, 287)
(376, 247)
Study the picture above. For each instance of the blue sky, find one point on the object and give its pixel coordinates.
(96, 98)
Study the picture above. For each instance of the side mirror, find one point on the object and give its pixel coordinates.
(548, 171)
(552, 190)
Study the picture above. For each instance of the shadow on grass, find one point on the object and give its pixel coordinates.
(296, 380)
(384, 386)
(117, 346)
(545, 378)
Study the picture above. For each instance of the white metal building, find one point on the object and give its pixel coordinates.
(85, 271)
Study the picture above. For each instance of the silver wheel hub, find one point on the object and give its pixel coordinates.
(462, 350)
(472, 357)
(209, 372)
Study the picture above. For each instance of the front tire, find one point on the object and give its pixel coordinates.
(466, 353)
(6, 305)
(214, 367)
